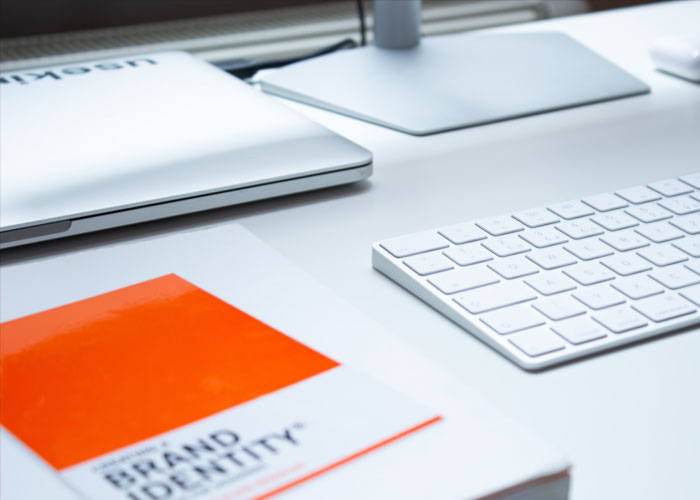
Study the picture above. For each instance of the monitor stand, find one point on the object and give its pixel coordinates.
(455, 81)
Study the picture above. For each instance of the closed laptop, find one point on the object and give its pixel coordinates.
(115, 142)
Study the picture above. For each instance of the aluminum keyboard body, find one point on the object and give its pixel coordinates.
(556, 283)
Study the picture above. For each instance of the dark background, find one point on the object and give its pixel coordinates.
(32, 17)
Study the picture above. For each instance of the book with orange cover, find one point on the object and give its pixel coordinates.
(202, 365)
(160, 390)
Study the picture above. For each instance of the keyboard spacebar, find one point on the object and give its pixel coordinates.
(494, 296)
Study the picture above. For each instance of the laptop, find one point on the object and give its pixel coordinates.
(114, 142)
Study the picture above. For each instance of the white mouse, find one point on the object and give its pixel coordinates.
(678, 55)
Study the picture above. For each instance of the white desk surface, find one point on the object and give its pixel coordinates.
(629, 420)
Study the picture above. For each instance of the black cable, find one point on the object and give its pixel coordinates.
(246, 68)
(363, 26)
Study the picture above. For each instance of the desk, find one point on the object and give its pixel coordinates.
(628, 420)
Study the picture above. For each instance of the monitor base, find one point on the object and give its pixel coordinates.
(455, 81)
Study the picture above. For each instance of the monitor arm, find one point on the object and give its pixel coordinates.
(397, 23)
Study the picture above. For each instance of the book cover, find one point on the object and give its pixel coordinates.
(161, 390)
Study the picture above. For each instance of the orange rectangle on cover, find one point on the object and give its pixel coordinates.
(96, 375)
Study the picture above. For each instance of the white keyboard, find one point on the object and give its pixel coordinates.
(552, 284)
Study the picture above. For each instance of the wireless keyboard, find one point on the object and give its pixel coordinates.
(556, 283)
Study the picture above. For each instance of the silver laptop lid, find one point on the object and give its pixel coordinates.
(122, 133)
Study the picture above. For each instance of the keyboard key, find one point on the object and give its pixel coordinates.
(550, 283)
(513, 319)
(620, 319)
(536, 218)
(429, 263)
(513, 267)
(498, 226)
(624, 241)
(675, 277)
(588, 249)
(659, 232)
(467, 255)
(589, 273)
(663, 307)
(494, 297)
(462, 233)
(506, 246)
(579, 229)
(681, 205)
(615, 221)
(692, 179)
(416, 243)
(459, 280)
(551, 258)
(650, 212)
(599, 296)
(638, 194)
(571, 210)
(688, 223)
(544, 237)
(580, 330)
(670, 187)
(637, 287)
(626, 264)
(537, 342)
(692, 293)
(604, 202)
(691, 245)
(694, 266)
(559, 307)
(662, 255)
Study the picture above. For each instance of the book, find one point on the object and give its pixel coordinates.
(161, 390)
(203, 365)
